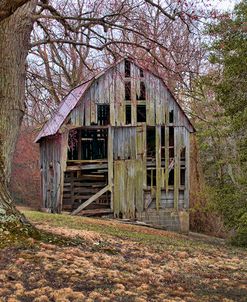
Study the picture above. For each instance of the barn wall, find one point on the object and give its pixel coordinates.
(53, 154)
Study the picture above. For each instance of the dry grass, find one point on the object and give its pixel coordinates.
(118, 262)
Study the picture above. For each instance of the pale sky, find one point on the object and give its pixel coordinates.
(224, 4)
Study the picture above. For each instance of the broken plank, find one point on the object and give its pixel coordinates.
(90, 200)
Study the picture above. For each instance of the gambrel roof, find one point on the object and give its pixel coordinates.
(53, 125)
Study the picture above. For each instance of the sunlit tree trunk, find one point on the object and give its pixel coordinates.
(15, 29)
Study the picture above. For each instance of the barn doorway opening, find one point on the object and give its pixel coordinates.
(86, 172)
(88, 144)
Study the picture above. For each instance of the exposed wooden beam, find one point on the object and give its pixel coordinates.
(91, 199)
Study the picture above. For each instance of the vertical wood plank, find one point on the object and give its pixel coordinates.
(116, 189)
(110, 162)
(158, 166)
(187, 169)
(166, 158)
(122, 187)
(134, 84)
(144, 160)
(93, 112)
(176, 166)
(139, 175)
(112, 96)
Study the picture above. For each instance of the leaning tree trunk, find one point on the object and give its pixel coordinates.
(15, 30)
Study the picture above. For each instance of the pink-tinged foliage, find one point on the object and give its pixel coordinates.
(25, 177)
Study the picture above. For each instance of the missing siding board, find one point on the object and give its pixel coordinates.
(171, 142)
(171, 136)
(127, 88)
(141, 113)
(182, 177)
(103, 114)
(171, 178)
(127, 69)
(142, 92)
(182, 166)
(183, 152)
(171, 117)
(128, 114)
(150, 142)
(162, 143)
(141, 73)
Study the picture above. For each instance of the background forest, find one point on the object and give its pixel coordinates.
(200, 54)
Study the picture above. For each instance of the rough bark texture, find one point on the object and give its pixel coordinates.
(8, 7)
(14, 42)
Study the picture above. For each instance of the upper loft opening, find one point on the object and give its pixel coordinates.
(127, 68)
(142, 96)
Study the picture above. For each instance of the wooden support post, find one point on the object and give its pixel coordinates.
(144, 164)
(177, 148)
(134, 83)
(110, 162)
(166, 158)
(158, 166)
(187, 169)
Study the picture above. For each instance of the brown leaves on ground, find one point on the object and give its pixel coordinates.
(111, 269)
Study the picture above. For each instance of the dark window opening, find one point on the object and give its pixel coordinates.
(171, 142)
(103, 113)
(182, 154)
(171, 152)
(141, 73)
(151, 178)
(88, 144)
(128, 91)
(150, 142)
(182, 177)
(141, 113)
(171, 178)
(162, 143)
(171, 116)
(171, 136)
(128, 114)
(94, 144)
(127, 68)
(142, 92)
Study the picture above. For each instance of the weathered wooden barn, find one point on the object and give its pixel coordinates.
(119, 143)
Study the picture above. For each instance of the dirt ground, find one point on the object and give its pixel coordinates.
(111, 261)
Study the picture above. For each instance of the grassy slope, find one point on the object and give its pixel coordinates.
(118, 262)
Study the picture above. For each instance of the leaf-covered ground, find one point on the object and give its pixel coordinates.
(106, 260)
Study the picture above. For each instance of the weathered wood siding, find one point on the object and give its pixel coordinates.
(109, 89)
(53, 156)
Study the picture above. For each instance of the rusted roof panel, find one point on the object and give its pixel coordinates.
(55, 122)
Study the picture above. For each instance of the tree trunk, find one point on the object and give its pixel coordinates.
(15, 32)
